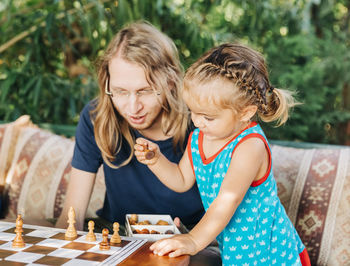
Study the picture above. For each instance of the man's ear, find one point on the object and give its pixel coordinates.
(248, 112)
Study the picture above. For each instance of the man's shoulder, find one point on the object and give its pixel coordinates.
(89, 107)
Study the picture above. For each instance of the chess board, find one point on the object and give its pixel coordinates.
(47, 246)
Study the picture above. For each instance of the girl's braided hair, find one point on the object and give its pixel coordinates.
(246, 71)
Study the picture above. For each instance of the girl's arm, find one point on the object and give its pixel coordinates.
(249, 162)
(177, 177)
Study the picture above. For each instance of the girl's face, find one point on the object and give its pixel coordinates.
(216, 122)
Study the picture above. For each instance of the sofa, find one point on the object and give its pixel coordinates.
(313, 185)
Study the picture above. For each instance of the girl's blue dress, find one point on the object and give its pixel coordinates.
(260, 232)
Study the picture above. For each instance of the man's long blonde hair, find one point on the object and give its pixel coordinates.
(142, 44)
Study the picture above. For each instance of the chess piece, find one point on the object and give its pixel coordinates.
(104, 245)
(18, 242)
(149, 154)
(133, 219)
(115, 239)
(91, 236)
(71, 232)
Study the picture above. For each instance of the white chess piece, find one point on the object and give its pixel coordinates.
(115, 239)
(91, 236)
(18, 242)
(71, 232)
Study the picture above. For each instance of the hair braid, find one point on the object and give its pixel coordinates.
(243, 75)
(247, 71)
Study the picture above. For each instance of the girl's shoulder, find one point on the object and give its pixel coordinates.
(253, 130)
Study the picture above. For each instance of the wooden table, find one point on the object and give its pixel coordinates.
(143, 256)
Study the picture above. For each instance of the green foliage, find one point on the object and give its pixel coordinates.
(47, 71)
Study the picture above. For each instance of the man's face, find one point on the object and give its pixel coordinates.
(133, 97)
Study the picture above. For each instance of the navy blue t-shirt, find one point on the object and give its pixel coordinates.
(133, 188)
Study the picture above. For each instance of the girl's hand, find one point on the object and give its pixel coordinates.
(146, 151)
(175, 246)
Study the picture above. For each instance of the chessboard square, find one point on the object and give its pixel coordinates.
(55, 243)
(40, 249)
(6, 253)
(58, 236)
(122, 244)
(42, 233)
(76, 262)
(79, 245)
(93, 256)
(32, 239)
(7, 236)
(11, 263)
(51, 260)
(25, 230)
(4, 227)
(66, 253)
(96, 249)
(83, 239)
(25, 257)
(8, 246)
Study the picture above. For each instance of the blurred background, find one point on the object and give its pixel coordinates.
(48, 50)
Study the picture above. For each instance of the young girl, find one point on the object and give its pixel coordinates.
(229, 157)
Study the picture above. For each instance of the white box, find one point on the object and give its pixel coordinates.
(153, 219)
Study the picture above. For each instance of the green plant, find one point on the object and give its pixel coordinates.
(48, 50)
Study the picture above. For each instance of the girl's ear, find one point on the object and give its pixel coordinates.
(248, 113)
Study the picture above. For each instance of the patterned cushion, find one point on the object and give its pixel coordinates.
(38, 178)
(314, 187)
(8, 139)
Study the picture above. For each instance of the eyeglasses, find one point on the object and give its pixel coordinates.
(122, 94)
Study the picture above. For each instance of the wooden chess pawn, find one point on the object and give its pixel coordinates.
(71, 232)
(91, 236)
(115, 239)
(18, 242)
(104, 245)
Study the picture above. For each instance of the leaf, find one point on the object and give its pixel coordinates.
(6, 86)
(37, 91)
(24, 90)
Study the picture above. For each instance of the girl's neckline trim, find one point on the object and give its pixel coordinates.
(211, 158)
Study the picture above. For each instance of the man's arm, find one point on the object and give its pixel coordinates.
(78, 196)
